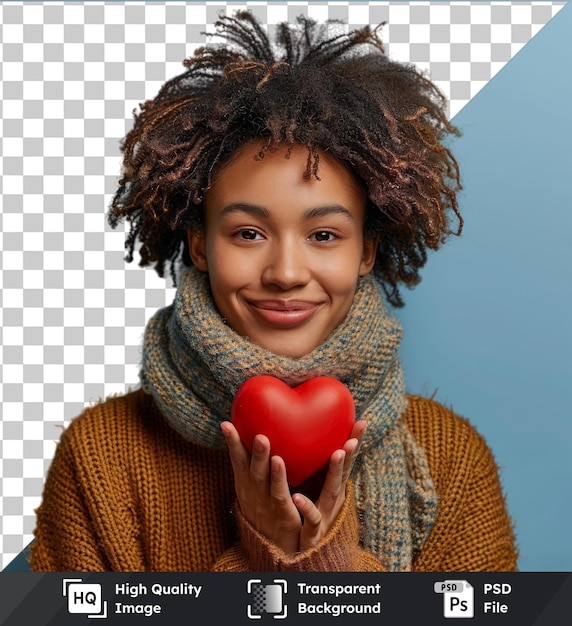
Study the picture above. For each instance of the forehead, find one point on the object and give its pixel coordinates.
(291, 168)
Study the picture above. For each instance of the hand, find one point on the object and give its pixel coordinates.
(319, 517)
(262, 490)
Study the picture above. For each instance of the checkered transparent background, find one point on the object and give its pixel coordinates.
(72, 312)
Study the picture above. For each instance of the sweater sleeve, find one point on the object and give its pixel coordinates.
(473, 531)
(338, 551)
(88, 520)
(64, 537)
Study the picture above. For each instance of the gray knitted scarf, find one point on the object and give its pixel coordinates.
(193, 364)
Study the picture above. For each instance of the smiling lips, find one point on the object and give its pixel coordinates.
(284, 313)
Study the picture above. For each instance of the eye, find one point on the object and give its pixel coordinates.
(324, 235)
(249, 234)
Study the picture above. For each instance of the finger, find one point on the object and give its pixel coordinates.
(239, 456)
(309, 511)
(279, 489)
(333, 483)
(358, 430)
(260, 461)
(351, 448)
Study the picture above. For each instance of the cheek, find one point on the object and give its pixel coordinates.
(341, 284)
(341, 270)
(340, 287)
(228, 268)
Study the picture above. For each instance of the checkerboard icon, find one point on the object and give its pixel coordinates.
(267, 599)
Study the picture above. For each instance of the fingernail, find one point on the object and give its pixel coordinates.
(342, 458)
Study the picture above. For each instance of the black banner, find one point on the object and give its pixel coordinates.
(522, 599)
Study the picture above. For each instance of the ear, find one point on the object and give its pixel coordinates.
(369, 252)
(197, 248)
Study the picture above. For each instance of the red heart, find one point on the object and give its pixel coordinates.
(305, 425)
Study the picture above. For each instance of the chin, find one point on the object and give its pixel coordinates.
(287, 350)
(289, 353)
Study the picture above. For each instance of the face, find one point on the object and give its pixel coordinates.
(283, 254)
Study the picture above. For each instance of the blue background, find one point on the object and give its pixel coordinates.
(489, 326)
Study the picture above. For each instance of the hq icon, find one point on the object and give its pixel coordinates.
(84, 598)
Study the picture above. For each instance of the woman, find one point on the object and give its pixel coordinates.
(300, 187)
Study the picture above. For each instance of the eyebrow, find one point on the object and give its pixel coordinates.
(309, 214)
(329, 209)
(243, 207)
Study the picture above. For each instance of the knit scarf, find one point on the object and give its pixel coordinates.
(193, 364)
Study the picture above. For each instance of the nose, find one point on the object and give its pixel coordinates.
(286, 266)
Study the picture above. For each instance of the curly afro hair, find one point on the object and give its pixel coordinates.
(385, 121)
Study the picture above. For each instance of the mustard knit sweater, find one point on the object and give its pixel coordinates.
(125, 492)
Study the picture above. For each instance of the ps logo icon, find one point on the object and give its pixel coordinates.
(458, 598)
